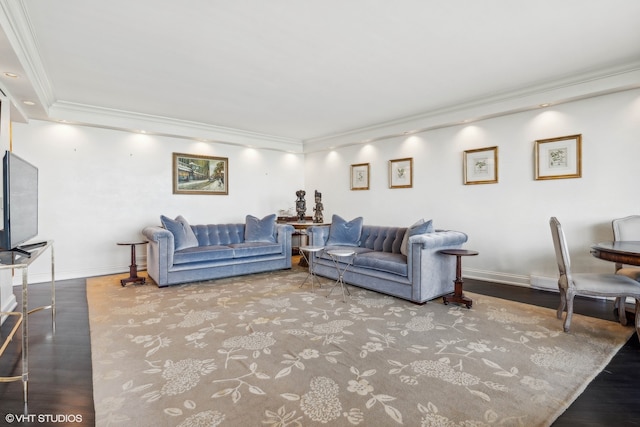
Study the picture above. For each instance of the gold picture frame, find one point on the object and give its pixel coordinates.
(196, 174)
(481, 166)
(360, 176)
(558, 158)
(401, 173)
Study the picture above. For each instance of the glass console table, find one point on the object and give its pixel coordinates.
(20, 261)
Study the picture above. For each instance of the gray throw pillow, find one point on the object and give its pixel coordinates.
(183, 235)
(420, 227)
(260, 230)
(345, 233)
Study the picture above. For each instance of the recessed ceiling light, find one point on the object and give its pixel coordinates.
(28, 103)
(10, 74)
(544, 105)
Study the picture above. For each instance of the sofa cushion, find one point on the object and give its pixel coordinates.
(183, 235)
(420, 227)
(202, 253)
(382, 261)
(345, 233)
(260, 230)
(249, 249)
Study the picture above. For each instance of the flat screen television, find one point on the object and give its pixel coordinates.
(20, 203)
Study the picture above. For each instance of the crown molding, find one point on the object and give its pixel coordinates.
(88, 115)
(19, 32)
(568, 89)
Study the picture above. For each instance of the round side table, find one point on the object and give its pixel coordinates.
(310, 250)
(133, 268)
(336, 254)
(457, 295)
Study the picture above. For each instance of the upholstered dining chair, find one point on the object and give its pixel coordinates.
(587, 284)
(627, 228)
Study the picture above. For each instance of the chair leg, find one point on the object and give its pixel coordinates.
(567, 320)
(622, 312)
(638, 317)
(563, 301)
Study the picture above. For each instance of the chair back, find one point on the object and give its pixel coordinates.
(627, 228)
(562, 253)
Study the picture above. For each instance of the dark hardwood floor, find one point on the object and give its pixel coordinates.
(60, 381)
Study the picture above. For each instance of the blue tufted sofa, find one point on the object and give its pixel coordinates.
(220, 251)
(419, 276)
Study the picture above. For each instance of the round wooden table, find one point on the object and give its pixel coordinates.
(621, 251)
(457, 295)
(133, 268)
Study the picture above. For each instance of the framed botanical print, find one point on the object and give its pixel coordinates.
(401, 173)
(195, 174)
(558, 158)
(481, 166)
(360, 176)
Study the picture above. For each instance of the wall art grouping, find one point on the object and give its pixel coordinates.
(554, 158)
(400, 174)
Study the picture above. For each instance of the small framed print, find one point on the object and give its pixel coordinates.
(481, 166)
(401, 173)
(360, 176)
(195, 174)
(558, 158)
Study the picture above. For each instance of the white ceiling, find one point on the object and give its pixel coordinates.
(301, 70)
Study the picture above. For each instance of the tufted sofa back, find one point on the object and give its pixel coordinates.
(379, 238)
(219, 234)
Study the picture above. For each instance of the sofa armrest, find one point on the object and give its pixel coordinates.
(160, 252)
(283, 236)
(440, 239)
(318, 234)
(430, 272)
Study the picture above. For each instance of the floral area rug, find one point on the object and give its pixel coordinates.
(259, 350)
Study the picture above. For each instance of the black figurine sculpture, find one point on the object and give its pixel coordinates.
(317, 218)
(301, 205)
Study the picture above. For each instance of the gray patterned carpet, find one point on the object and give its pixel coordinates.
(260, 351)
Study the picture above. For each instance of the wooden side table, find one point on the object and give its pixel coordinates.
(457, 295)
(133, 268)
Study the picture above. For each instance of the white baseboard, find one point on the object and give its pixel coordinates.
(544, 283)
(45, 277)
(497, 277)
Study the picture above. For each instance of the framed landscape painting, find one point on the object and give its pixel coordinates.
(360, 176)
(481, 166)
(401, 173)
(558, 158)
(195, 174)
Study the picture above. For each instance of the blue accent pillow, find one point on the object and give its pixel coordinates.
(420, 227)
(345, 233)
(260, 230)
(183, 235)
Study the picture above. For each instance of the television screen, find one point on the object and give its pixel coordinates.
(20, 201)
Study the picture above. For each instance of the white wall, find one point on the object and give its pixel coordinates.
(99, 187)
(507, 222)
